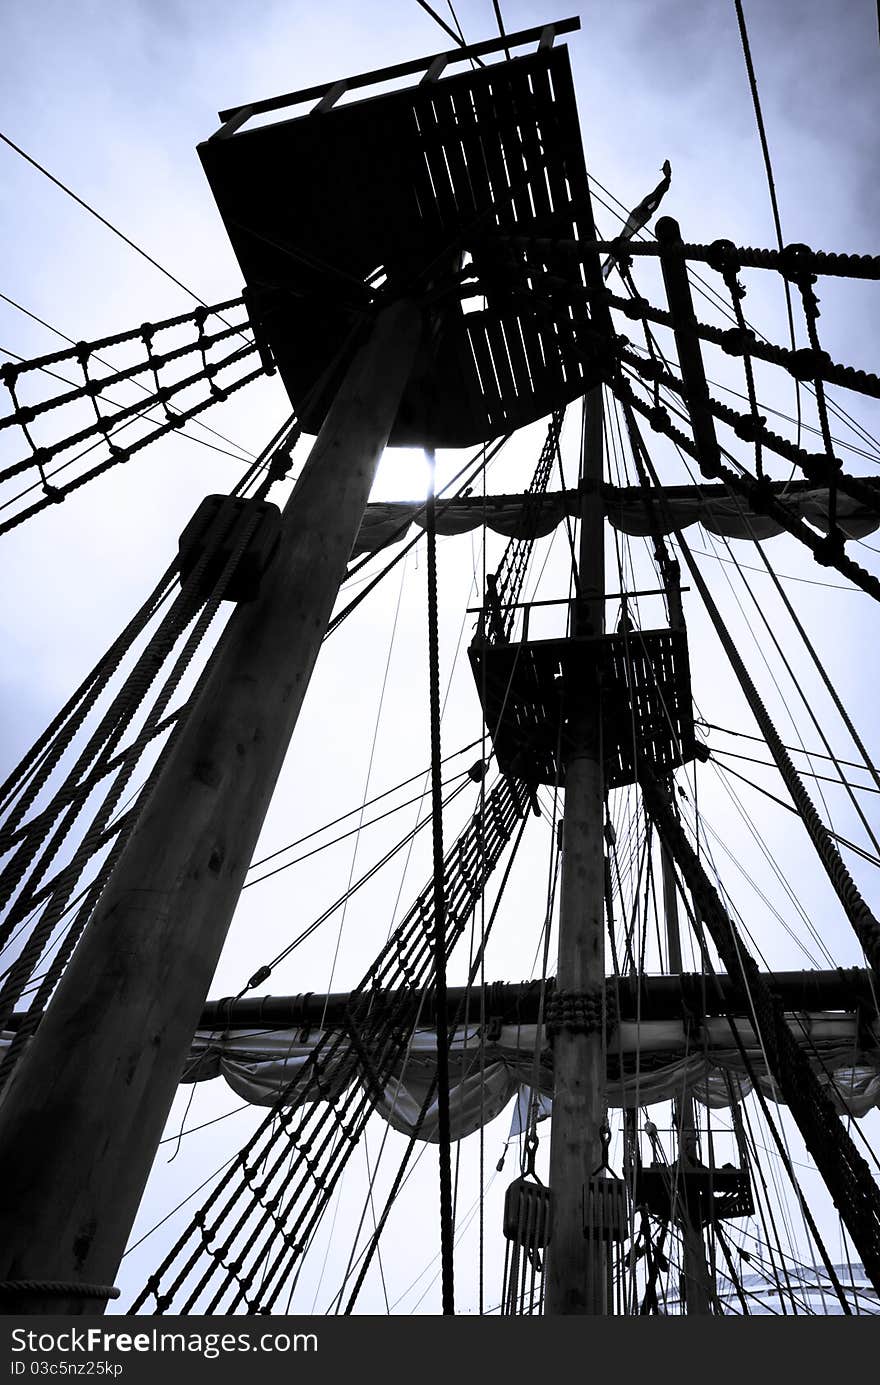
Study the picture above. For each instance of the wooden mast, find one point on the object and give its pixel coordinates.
(576, 1263)
(84, 1111)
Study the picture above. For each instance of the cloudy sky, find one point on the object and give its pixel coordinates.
(113, 99)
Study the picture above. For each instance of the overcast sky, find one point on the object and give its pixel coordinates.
(113, 99)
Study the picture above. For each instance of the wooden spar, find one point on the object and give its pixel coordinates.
(431, 66)
(576, 1268)
(84, 1111)
(649, 997)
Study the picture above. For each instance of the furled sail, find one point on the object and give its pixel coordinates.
(626, 508)
(648, 1062)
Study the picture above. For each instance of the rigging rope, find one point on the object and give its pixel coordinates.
(475, 967)
(65, 381)
(195, 605)
(843, 1169)
(865, 925)
(118, 454)
(857, 266)
(761, 501)
(768, 168)
(382, 1029)
(444, 1150)
(798, 750)
(504, 587)
(131, 697)
(819, 468)
(102, 219)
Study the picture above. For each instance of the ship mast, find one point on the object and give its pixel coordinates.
(107, 1058)
(576, 1269)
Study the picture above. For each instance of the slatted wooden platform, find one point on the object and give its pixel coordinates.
(644, 681)
(698, 1194)
(410, 183)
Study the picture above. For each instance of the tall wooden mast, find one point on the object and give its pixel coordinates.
(576, 1269)
(84, 1111)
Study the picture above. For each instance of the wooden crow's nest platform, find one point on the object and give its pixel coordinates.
(694, 1193)
(532, 693)
(418, 191)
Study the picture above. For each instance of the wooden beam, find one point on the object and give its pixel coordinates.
(577, 1265)
(85, 1108)
(649, 997)
(408, 69)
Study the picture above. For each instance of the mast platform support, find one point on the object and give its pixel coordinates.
(84, 1111)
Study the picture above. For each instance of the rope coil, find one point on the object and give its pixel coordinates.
(581, 1012)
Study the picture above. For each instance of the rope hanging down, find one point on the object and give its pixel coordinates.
(445, 1154)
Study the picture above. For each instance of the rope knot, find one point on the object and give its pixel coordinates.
(830, 550)
(807, 363)
(723, 256)
(796, 262)
(748, 427)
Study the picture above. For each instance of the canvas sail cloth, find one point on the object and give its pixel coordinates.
(657, 1066)
(625, 509)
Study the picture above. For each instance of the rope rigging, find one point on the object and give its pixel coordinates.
(797, 750)
(461, 1016)
(865, 925)
(830, 264)
(240, 452)
(368, 803)
(104, 222)
(102, 757)
(383, 1034)
(798, 264)
(181, 613)
(105, 427)
(189, 610)
(845, 1172)
(504, 587)
(866, 1190)
(446, 1216)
